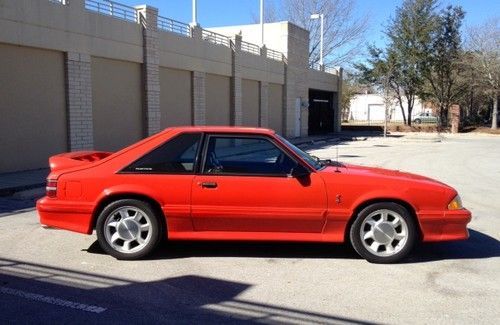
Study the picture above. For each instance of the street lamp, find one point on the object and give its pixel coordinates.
(261, 22)
(194, 19)
(320, 16)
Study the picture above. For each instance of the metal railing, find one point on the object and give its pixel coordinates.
(111, 8)
(250, 48)
(331, 70)
(174, 26)
(274, 55)
(60, 2)
(215, 38)
(316, 66)
(324, 68)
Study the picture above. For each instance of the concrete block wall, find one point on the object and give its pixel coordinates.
(236, 104)
(83, 36)
(264, 104)
(296, 84)
(199, 98)
(79, 101)
(148, 17)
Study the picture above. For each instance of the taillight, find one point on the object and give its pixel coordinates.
(51, 189)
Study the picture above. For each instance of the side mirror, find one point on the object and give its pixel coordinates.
(299, 171)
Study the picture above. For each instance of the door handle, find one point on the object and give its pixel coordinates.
(208, 184)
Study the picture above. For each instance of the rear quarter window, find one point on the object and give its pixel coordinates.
(176, 156)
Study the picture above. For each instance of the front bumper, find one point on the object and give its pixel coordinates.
(69, 215)
(444, 225)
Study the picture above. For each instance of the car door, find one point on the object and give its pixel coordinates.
(245, 185)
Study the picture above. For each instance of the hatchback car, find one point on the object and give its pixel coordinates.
(425, 117)
(228, 183)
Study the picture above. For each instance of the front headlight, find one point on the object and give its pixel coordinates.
(455, 204)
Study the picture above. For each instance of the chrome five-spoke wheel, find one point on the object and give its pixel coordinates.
(128, 229)
(383, 232)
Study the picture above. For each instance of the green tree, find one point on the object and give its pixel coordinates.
(381, 71)
(400, 66)
(443, 67)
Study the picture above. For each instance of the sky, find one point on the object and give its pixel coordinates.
(239, 12)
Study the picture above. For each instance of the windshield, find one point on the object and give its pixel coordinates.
(314, 162)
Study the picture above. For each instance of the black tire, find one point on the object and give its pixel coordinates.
(400, 247)
(147, 215)
(418, 121)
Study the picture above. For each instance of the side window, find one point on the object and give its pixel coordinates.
(245, 156)
(177, 156)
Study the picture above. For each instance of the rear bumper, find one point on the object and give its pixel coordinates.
(69, 215)
(445, 225)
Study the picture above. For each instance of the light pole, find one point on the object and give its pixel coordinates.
(321, 17)
(194, 13)
(261, 22)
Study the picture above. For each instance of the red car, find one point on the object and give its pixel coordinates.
(235, 183)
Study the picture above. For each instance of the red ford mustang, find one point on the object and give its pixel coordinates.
(228, 183)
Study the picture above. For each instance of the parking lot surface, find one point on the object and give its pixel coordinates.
(48, 275)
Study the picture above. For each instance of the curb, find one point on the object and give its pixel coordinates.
(9, 191)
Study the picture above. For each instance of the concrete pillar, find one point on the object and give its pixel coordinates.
(264, 104)
(196, 31)
(263, 51)
(236, 92)
(198, 98)
(148, 17)
(198, 78)
(295, 90)
(304, 116)
(338, 112)
(79, 101)
(455, 118)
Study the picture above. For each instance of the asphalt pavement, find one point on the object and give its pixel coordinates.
(53, 276)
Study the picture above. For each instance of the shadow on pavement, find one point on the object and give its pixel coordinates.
(14, 205)
(45, 294)
(350, 156)
(478, 246)
(184, 249)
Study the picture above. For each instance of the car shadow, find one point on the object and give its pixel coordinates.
(478, 246)
(39, 293)
(185, 249)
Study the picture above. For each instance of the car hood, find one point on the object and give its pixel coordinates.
(381, 173)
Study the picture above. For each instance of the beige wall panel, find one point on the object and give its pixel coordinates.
(43, 24)
(217, 100)
(175, 97)
(322, 80)
(187, 53)
(32, 107)
(116, 103)
(250, 102)
(255, 67)
(276, 107)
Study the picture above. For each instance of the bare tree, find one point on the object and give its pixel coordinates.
(344, 29)
(483, 42)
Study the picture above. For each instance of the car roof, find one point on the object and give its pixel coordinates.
(220, 129)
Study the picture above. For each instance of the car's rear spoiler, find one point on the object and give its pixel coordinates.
(74, 159)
